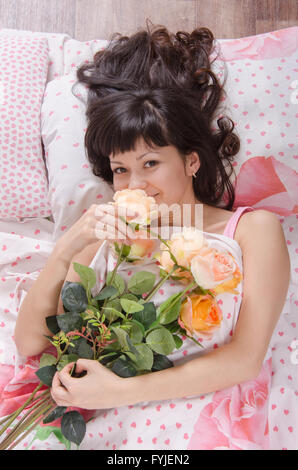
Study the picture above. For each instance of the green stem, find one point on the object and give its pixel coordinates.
(119, 261)
(24, 426)
(178, 297)
(21, 426)
(193, 283)
(19, 410)
(32, 425)
(158, 285)
(193, 339)
(29, 412)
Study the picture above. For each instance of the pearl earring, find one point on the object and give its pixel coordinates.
(194, 174)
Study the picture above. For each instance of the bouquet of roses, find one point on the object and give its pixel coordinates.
(121, 327)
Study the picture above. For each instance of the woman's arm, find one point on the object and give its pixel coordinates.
(266, 279)
(43, 299)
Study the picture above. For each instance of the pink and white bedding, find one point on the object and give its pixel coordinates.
(262, 100)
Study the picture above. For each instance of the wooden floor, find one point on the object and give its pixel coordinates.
(98, 19)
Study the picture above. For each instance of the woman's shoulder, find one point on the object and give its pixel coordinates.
(216, 220)
(257, 223)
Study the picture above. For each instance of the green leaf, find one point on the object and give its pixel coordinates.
(47, 360)
(126, 250)
(55, 414)
(141, 327)
(131, 346)
(141, 282)
(171, 314)
(169, 310)
(161, 341)
(104, 360)
(112, 314)
(174, 327)
(46, 374)
(66, 359)
(178, 341)
(43, 433)
(74, 297)
(144, 359)
(130, 355)
(135, 333)
(123, 368)
(73, 427)
(130, 296)
(115, 303)
(122, 337)
(57, 432)
(130, 306)
(52, 324)
(81, 348)
(86, 274)
(147, 316)
(106, 293)
(69, 322)
(118, 282)
(161, 362)
(85, 351)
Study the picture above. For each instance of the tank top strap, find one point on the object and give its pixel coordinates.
(232, 223)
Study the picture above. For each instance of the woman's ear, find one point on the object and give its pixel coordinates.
(192, 163)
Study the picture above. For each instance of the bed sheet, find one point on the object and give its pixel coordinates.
(25, 246)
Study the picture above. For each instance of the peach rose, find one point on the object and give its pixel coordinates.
(184, 246)
(217, 270)
(200, 314)
(141, 247)
(137, 200)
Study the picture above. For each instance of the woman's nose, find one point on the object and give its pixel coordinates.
(136, 183)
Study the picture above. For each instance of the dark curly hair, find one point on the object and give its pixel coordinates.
(160, 86)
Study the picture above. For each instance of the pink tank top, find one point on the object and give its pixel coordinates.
(232, 223)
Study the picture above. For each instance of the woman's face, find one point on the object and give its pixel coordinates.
(159, 171)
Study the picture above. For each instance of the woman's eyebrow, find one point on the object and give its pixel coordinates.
(138, 158)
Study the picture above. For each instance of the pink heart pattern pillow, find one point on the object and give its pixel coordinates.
(23, 181)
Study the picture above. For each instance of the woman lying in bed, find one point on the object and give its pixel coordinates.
(150, 112)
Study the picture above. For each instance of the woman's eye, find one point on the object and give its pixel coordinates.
(152, 161)
(120, 168)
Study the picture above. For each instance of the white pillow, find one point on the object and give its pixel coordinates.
(72, 185)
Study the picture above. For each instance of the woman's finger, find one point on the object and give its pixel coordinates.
(116, 224)
(118, 213)
(58, 391)
(116, 228)
(114, 232)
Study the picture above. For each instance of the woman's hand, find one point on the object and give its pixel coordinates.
(100, 222)
(100, 388)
